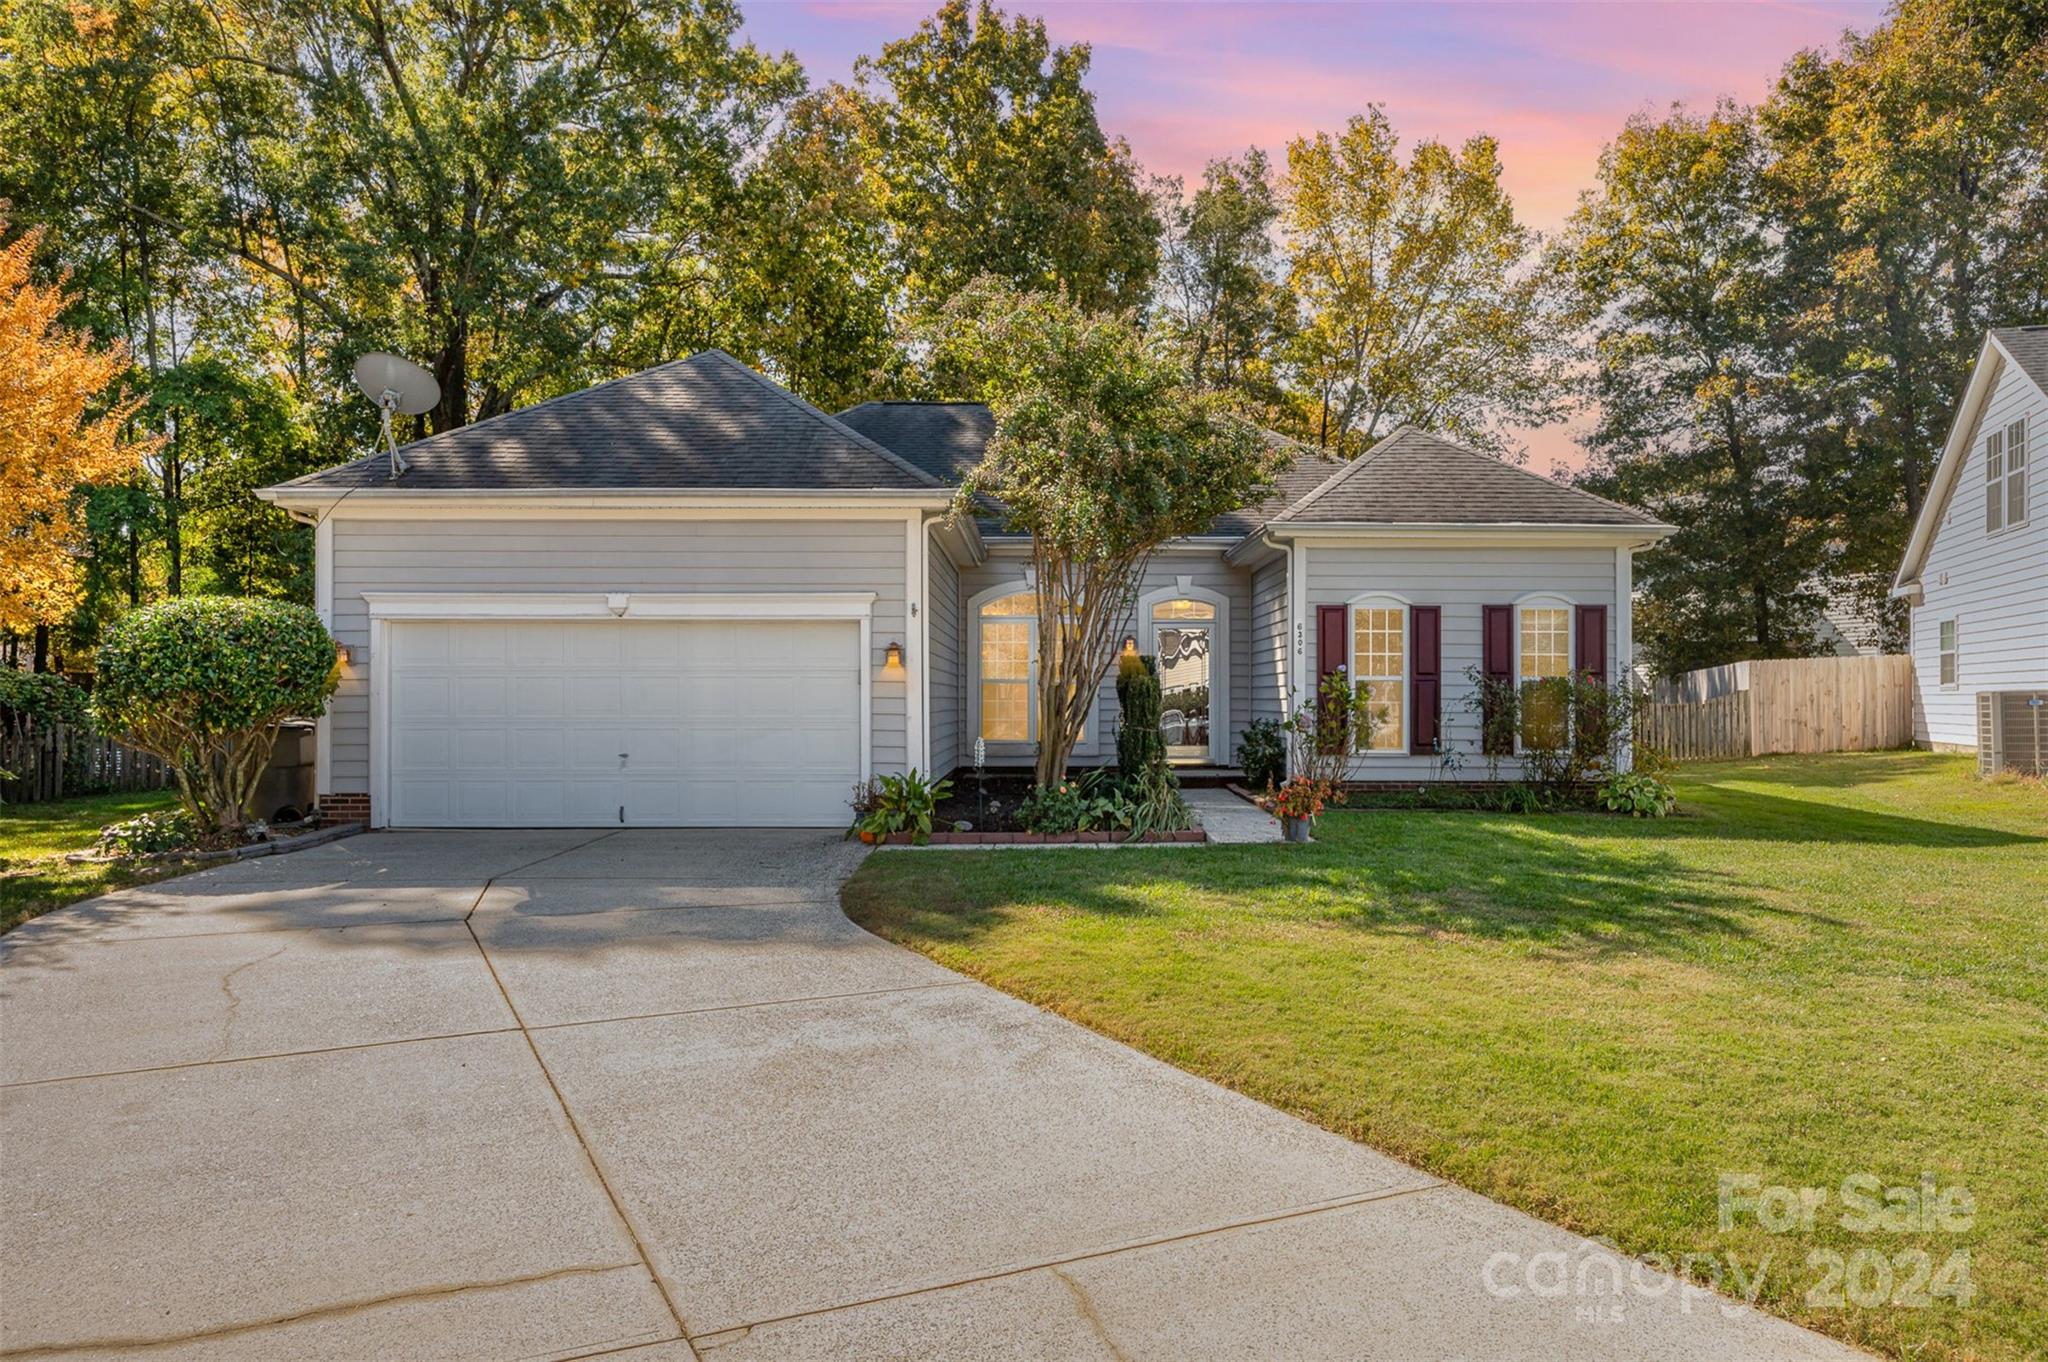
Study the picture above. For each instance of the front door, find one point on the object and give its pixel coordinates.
(1183, 638)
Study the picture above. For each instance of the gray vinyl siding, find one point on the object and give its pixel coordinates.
(1994, 586)
(947, 674)
(521, 555)
(1268, 642)
(1461, 581)
(1205, 569)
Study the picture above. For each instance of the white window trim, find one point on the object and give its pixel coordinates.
(1954, 622)
(1006, 746)
(1545, 600)
(2005, 481)
(389, 607)
(1219, 654)
(1382, 600)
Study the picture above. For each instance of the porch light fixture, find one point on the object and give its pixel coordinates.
(343, 655)
(1130, 645)
(892, 660)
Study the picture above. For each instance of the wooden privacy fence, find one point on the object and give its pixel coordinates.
(54, 761)
(1697, 732)
(1810, 704)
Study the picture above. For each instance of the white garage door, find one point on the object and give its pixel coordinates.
(657, 723)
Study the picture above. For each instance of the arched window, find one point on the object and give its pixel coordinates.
(1379, 662)
(1009, 662)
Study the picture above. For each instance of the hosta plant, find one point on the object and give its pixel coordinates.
(1638, 794)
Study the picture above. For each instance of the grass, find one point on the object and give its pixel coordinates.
(1828, 966)
(35, 877)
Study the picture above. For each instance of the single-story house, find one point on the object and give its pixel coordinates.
(688, 597)
(1975, 572)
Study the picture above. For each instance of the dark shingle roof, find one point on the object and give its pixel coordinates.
(1310, 469)
(707, 422)
(945, 439)
(2028, 346)
(1410, 478)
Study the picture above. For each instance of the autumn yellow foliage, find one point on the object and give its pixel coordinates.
(57, 432)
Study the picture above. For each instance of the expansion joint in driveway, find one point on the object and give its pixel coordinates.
(714, 1338)
(575, 1127)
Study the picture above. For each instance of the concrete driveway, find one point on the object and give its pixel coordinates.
(648, 1095)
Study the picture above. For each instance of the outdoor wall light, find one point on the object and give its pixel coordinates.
(892, 660)
(343, 655)
(1130, 645)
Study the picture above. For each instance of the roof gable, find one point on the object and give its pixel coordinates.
(1413, 478)
(707, 423)
(2024, 351)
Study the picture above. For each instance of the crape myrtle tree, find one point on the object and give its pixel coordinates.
(1102, 452)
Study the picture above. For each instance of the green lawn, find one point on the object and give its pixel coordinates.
(1829, 966)
(34, 877)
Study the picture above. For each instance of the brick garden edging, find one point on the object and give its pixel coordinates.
(1037, 839)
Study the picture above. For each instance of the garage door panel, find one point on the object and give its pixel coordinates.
(724, 723)
(540, 697)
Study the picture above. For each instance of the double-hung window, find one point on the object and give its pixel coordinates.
(2005, 477)
(1545, 652)
(1379, 663)
(1948, 652)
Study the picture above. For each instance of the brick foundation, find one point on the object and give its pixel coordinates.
(344, 808)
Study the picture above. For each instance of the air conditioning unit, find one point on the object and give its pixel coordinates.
(2012, 732)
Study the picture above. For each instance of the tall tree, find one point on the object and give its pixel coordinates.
(60, 429)
(809, 279)
(1102, 453)
(1908, 180)
(1422, 299)
(995, 164)
(1219, 300)
(490, 187)
(1680, 276)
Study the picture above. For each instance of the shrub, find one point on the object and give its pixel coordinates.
(34, 698)
(1262, 753)
(899, 804)
(1637, 793)
(1140, 747)
(150, 833)
(1324, 731)
(202, 683)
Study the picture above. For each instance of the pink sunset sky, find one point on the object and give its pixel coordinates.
(1185, 82)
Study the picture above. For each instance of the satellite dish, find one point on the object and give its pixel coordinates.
(395, 385)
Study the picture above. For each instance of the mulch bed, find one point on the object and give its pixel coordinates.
(997, 813)
(989, 808)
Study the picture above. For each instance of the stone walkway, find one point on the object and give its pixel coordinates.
(1230, 819)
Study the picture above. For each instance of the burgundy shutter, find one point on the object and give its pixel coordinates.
(1425, 647)
(1497, 661)
(1592, 642)
(1330, 648)
(1332, 652)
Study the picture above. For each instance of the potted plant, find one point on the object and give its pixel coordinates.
(1297, 803)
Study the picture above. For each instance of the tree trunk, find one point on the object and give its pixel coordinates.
(42, 661)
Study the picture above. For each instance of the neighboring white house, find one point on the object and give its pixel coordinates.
(1976, 568)
(688, 597)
